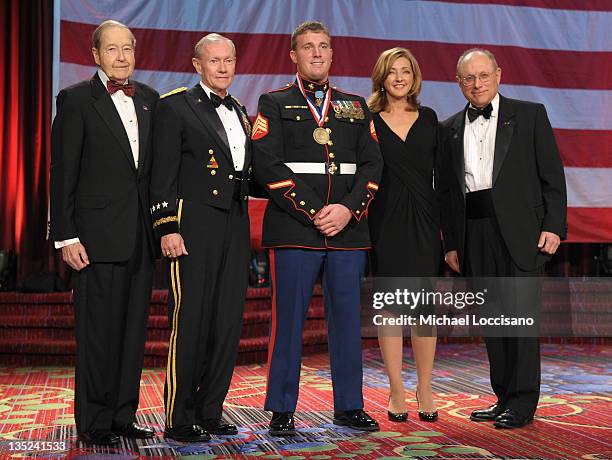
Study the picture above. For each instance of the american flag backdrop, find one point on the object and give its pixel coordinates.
(557, 52)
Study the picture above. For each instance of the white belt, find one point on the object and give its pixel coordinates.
(322, 168)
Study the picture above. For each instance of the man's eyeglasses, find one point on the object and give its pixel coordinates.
(470, 80)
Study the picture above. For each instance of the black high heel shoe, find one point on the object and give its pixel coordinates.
(426, 416)
(396, 417)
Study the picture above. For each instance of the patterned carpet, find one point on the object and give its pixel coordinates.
(573, 422)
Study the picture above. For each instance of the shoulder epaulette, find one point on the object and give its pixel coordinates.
(182, 89)
(286, 87)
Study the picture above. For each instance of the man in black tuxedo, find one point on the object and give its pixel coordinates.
(199, 192)
(504, 208)
(100, 172)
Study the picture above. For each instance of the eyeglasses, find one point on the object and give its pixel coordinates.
(470, 80)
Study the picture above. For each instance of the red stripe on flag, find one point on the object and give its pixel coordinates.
(171, 51)
(589, 225)
(585, 148)
(581, 5)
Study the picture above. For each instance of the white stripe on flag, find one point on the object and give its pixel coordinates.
(589, 187)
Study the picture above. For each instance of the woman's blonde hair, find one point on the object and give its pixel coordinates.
(377, 101)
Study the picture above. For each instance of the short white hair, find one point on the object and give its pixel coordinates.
(209, 39)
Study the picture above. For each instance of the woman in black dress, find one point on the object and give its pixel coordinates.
(404, 218)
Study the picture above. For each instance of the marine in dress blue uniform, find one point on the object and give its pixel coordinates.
(316, 152)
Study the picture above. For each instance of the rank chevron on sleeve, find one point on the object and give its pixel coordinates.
(260, 127)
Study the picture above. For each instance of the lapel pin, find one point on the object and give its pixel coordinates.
(145, 108)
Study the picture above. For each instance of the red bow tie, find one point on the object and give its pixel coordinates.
(128, 89)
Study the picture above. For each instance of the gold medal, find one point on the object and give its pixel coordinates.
(321, 136)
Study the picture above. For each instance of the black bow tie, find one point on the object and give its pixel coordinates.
(475, 113)
(226, 101)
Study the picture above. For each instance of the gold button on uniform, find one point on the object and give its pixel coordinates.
(215, 192)
(352, 120)
(211, 151)
(292, 194)
(312, 211)
(357, 212)
(331, 155)
(362, 204)
(213, 172)
(298, 118)
(302, 203)
(230, 176)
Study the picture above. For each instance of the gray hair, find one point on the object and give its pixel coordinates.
(97, 35)
(208, 40)
(467, 54)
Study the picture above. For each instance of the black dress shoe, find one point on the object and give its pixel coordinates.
(134, 430)
(511, 419)
(356, 419)
(219, 426)
(99, 438)
(187, 433)
(282, 424)
(483, 415)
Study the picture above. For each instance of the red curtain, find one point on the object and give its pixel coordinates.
(26, 53)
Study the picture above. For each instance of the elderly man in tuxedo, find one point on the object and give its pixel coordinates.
(100, 219)
(503, 213)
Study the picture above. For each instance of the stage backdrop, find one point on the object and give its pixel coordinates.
(555, 52)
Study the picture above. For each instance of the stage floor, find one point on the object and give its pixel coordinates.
(574, 419)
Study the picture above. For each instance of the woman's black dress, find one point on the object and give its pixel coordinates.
(404, 217)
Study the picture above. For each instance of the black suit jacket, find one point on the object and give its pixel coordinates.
(96, 191)
(192, 157)
(528, 191)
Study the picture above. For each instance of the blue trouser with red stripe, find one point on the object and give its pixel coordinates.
(294, 273)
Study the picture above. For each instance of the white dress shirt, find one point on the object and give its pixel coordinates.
(479, 149)
(127, 113)
(233, 128)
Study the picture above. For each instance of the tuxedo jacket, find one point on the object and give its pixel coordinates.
(528, 192)
(96, 190)
(192, 157)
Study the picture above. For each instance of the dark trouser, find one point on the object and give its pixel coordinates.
(294, 273)
(208, 291)
(111, 302)
(514, 361)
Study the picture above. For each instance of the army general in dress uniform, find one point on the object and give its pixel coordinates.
(316, 152)
(199, 191)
